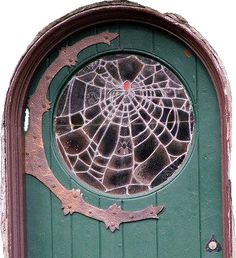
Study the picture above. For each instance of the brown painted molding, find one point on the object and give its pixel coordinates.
(45, 42)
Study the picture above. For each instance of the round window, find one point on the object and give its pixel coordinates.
(124, 124)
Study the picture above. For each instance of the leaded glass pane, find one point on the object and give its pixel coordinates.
(124, 124)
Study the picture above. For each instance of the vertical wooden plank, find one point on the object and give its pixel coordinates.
(178, 228)
(210, 162)
(86, 239)
(85, 231)
(38, 217)
(111, 242)
(85, 54)
(61, 224)
(61, 228)
(114, 27)
(56, 162)
(38, 200)
(135, 37)
(140, 237)
(176, 53)
(178, 234)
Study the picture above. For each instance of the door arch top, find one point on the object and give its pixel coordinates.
(37, 51)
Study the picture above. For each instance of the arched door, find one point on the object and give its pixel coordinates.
(123, 150)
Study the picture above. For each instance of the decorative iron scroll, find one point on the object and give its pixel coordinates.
(36, 161)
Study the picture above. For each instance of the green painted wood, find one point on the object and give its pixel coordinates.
(171, 50)
(133, 37)
(61, 225)
(210, 161)
(178, 234)
(77, 37)
(38, 199)
(111, 244)
(140, 237)
(85, 231)
(59, 79)
(39, 227)
(192, 200)
(114, 27)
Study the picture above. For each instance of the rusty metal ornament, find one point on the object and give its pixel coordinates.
(36, 161)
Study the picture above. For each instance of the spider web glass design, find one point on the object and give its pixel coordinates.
(124, 124)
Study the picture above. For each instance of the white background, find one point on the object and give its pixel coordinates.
(21, 20)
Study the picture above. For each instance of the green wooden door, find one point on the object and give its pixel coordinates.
(190, 186)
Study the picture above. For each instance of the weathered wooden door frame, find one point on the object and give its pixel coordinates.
(14, 223)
